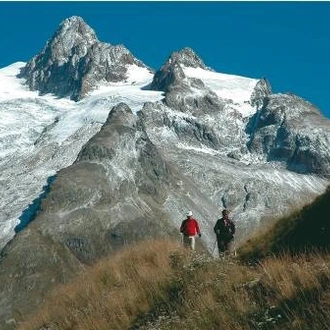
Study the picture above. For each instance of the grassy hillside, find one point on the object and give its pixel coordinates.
(158, 285)
(303, 231)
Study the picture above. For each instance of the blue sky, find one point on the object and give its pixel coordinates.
(286, 42)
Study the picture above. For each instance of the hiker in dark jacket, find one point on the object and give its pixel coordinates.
(189, 229)
(225, 231)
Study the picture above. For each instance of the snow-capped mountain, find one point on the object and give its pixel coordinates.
(119, 153)
(74, 61)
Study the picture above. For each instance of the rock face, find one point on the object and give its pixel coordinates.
(112, 193)
(111, 196)
(290, 130)
(74, 61)
(171, 72)
(211, 141)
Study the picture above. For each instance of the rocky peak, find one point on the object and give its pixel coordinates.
(171, 72)
(76, 25)
(121, 114)
(186, 57)
(261, 90)
(281, 130)
(73, 62)
(71, 41)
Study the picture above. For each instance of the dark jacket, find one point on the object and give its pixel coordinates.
(225, 228)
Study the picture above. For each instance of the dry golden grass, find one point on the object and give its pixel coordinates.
(112, 293)
(157, 285)
(299, 288)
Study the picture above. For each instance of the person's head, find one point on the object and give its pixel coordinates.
(225, 212)
(189, 214)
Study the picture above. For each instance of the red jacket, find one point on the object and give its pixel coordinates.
(189, 227)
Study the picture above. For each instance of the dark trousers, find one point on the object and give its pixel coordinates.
(223, 243)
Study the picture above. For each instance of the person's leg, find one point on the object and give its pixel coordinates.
(220, 244)
(231, 248)
(221, 247)
(227, 251)
(192, 243)
(186, 241)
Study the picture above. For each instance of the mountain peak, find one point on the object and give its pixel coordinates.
(171, 72)
(70, 41)
(73, 20)
(74, 30)
(187, 57)
(73, 62)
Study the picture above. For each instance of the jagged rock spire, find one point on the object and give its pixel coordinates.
(171, 72)
(187, 57)
(261, 90)
(74, 61)
(71, 41)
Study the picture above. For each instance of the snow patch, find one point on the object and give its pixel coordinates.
(230, 87)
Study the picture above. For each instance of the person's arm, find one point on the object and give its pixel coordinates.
(217, 227)
(197, 228)
(181, 227)
(233, 228)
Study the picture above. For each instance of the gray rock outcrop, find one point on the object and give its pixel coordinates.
(291, 130)
(171, 73)
(261, 91)
(74, 62)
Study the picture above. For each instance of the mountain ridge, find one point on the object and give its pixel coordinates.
(74, 48)
(201, 93)
(131, 156)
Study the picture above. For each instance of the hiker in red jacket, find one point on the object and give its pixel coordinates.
(189, 229)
